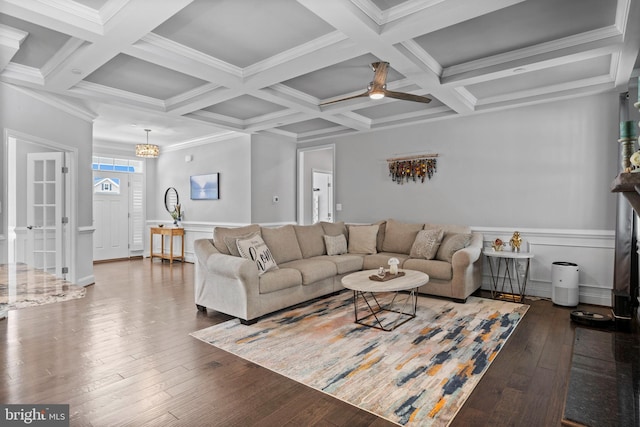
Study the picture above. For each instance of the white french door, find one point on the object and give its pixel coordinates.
(45, 212)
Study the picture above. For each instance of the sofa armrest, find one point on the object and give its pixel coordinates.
(470, 254)
(467, 268)
(225, 283)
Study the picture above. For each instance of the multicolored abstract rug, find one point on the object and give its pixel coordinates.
(23, 286)
(419, 374)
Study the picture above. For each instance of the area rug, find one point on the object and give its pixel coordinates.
(419, 374)
(23, 286)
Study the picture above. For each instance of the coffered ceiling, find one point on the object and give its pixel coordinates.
(197, 69)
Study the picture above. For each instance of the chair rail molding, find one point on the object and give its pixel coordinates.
(592, 250)
(194, 230)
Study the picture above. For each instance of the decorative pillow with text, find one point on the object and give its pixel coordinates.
(256, 250)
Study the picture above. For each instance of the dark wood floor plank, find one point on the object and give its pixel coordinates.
(123, 356)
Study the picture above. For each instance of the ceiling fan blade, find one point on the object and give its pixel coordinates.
(380, 76)
(345, 98)
(407, 96)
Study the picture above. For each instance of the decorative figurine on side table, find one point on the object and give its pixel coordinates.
(515, 241)
(497, 245)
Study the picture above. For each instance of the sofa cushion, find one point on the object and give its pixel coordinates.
(436, 269)
(279, 279)
(399, 236)
(426, 244)
(336, 245)
(310, 240)
(451, 243)
(345, 263)
(219, 233)
(313, 269)
(254, 249)
(334, 228)
(283, 243)
(381, 259)
(362, 239)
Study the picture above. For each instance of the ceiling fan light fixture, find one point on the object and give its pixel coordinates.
(147, 150)
(376, 94)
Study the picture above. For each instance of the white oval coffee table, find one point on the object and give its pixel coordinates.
(364, 297)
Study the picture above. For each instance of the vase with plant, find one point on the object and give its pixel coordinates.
(177, 214)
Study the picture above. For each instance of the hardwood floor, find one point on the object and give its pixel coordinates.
(123, 356)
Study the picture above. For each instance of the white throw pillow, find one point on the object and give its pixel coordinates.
(427, 243)
(336, 245)
(256, 250)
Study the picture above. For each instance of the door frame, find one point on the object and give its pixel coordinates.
(301, 190)
(11, 138)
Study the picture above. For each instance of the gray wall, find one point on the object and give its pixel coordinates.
(541, 166)
(273, 173)
(26, 114)
(230, 157)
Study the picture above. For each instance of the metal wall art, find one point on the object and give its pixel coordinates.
(414, 168)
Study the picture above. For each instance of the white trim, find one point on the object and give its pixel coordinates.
(592, 250)
(58, 103)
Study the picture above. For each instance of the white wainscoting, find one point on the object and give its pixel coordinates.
(3, 249)
(592, 250)
(193, 230)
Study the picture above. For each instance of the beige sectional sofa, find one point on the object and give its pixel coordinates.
(300, 268)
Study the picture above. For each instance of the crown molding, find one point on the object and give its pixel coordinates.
(11, 37)
(164, 45)
(111, 9)
(307, 48)
(57, 60)
(608, 36)
(94, 90)
(23, 74)
(56, 102)
(205, 140)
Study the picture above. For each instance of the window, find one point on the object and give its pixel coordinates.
(116, 165)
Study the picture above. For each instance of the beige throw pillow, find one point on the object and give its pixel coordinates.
(232, 243)
(362, 239)
(336, 245)
(219, 233)
(451, 243)
(255, 249)
(399, 236)
(426, 244)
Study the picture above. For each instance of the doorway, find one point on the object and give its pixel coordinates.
(321, 186)
(320, 160)
(110, 216)
(40, 226)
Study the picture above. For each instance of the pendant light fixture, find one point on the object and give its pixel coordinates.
(147, 150)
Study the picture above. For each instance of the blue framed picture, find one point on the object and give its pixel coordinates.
(205, 187)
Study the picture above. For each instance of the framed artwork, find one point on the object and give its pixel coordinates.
(205, 187)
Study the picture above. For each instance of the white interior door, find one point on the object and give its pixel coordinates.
(45, 204)
(322, 196)
(110, 215)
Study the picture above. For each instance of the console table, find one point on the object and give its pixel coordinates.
(510, 261)
(171, 232)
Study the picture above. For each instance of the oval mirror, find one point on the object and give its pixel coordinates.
(171, 199)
